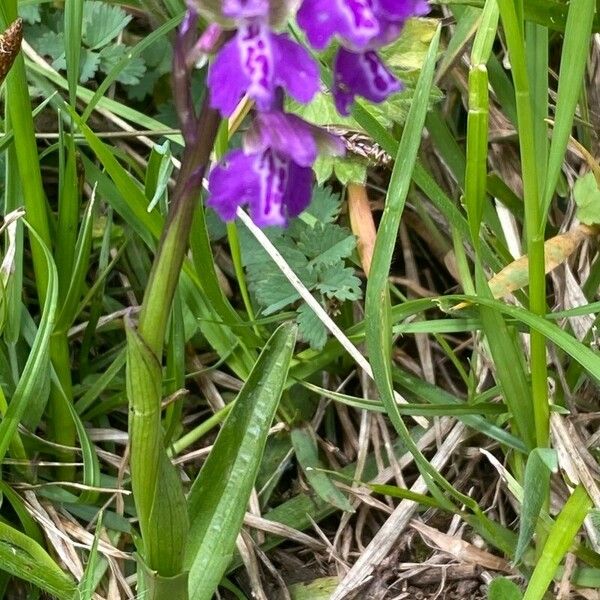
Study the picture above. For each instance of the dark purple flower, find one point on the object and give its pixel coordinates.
(289, 134)
(229, 12)
(257, 62)
(353, 20)
(361, 74)
(359, 24)
(272, 185)
(273, 173)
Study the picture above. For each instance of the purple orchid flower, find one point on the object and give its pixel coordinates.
(273, 174)
(361, 26)
(258, 61)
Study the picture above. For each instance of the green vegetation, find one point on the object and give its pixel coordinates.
(407, 376)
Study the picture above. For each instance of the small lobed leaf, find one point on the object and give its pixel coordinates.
(587, 198)
(102, 23)
(90, 61)
(132, 73)
(341, 284)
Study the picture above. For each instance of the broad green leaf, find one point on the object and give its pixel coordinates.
(409, 52)
(504, 589)
(307, 453)
(218, 498)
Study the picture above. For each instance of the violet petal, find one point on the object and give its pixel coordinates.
(361, 74)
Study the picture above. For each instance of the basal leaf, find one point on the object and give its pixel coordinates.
(218, 498)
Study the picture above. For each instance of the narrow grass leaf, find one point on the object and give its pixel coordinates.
(31, 382)
(574, 58)
(541, 462)
(86, 586)
(73, 20)
(560, 539)
(218, 498)
(26, 559)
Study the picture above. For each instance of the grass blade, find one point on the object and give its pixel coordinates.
(559, 540)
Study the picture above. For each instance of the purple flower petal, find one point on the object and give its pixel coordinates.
(267, 208)
(226, 80)
(273, 186)
(295, 70)
(361, 74)
(286, 134)
(298, 193)
(400, 10)
(353, 20)
(245, 9)
(232, 183)
(291, 136)
(257, 62)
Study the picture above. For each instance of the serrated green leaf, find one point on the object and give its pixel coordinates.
(51, 44)
(102, 23)
(341, 284)
(325, 205)
(326, 244)
(132, 73)
(90, 62)
(587, 198)
(30, 13)
(311, 328)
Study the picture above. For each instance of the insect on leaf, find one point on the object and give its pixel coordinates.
(10, 44)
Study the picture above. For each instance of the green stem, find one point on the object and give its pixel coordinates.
(174, 242)
(157, 490)
(513, 27)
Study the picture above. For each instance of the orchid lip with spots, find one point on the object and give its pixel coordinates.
(272, 173)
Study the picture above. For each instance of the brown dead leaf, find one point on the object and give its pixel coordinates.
(557, 250)
(460, 549)
(362, 223)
